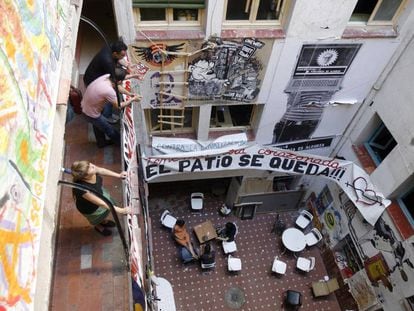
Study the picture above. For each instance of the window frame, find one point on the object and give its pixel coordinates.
(156, 128)
(370, 143)
(169, 21)
(372, 22)
(256, 108)
(404, 208)
(252, 22)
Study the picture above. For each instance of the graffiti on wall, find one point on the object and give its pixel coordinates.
(210, 70)
(29, 66)
(230, 71)
(318, 75)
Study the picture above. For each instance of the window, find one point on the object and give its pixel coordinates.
(158, 13)
(376, 12)
(231, 116)
(283, 183)
(407, 204)
(380, 144)
(259, 12)
(169, 120)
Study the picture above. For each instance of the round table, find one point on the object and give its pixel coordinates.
(294, 240)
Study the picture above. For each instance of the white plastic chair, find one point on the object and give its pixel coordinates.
(305, 264)
(167, 219)
(304, 219)
(197, 201)
(313, 237)
(229, 247)
(279, 266)
(234, 264)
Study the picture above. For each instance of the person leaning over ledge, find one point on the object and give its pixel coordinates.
(93, 208)
(99, 92)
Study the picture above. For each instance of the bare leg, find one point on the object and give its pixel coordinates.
(191, 249)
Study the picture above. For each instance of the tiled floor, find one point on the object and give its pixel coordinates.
(89, 271)
(257, 246)
(90, 274)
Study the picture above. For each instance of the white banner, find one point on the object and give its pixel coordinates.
(167, 145)
(351, 178)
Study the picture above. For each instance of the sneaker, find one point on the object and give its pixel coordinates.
(104, 232)
(108, 224)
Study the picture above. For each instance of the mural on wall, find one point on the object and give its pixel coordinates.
(29, 66)
(196, 70)
(318, 75)
(163, 82)
(231, 71)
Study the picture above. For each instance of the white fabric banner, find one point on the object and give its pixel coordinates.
(351, 178)
(167, 145)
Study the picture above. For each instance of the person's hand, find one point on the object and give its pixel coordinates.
(123, 175)
(136, 97)
(128, 210)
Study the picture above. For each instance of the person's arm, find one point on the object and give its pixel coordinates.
(106, 172)
(127, 102)
(98, 201)
(123, 90)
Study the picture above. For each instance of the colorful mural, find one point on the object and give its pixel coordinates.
(30, 47)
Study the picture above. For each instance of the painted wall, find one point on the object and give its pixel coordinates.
(393, 104)
(31, 48)
(379, 247)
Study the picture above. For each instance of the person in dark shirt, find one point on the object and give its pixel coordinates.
(93, 208)
(228, 232)
(208, 256)
(105, 61)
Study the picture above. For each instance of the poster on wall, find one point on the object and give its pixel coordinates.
(318, 75)
(213, 70)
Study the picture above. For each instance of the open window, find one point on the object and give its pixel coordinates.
(406, 203)
(376, 12)
(380, 144)
(234, 116)
(169, 120)
(254, 12)
(168, 13)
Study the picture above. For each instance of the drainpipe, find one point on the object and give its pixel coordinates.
(111, 208)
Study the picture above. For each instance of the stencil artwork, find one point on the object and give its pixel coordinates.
(168, 99)
(153, 54)
(230, 71)
(318, 75)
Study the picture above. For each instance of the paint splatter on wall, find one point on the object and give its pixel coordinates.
(30, 48)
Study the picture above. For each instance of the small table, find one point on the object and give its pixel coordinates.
(294, 240)
(205, 232)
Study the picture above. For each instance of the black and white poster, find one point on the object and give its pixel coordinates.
(318, 75)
